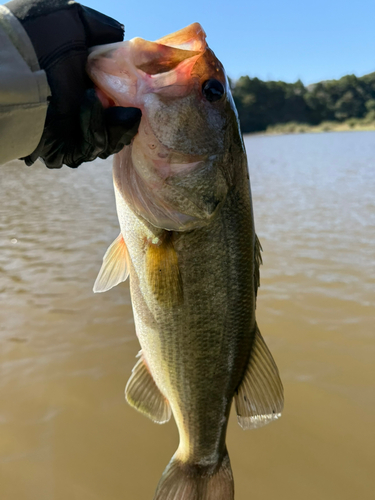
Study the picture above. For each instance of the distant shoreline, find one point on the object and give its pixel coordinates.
(352, 125)
(275, 107)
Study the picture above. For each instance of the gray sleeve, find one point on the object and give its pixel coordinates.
(23, 91)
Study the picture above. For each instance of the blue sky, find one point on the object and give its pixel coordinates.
(269, 39)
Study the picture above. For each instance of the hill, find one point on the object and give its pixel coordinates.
(263, 105)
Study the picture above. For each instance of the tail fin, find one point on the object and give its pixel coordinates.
(182, 481)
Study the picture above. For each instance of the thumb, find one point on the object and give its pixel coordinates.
(122, 125)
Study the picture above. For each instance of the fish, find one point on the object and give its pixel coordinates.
(188, 243)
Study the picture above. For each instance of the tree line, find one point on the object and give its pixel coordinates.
(261, 104)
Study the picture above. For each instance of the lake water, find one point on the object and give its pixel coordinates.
(66, 432)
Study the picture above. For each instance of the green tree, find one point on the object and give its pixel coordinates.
(261, 104)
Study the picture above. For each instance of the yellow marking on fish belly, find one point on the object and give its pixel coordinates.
(163, 273)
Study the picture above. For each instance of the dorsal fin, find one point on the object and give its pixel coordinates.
(257, 263)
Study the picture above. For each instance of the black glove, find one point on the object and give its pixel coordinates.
(77, 127)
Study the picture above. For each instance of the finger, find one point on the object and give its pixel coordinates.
(122, 125)
(100, 29)
(93, 138)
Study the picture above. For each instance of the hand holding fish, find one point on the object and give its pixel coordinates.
(77, 127)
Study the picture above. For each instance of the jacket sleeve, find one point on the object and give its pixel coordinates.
(24, 91)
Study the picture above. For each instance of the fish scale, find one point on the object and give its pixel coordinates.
(194, 338)
(188, 243)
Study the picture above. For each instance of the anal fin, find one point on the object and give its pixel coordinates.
(115, 267)
(260, 397)
(142, 393)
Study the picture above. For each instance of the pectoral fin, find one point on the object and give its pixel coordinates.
(163, 273)
(260, 398)
(115, 267)
(142, 393)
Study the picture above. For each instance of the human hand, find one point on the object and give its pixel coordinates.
(77, 128)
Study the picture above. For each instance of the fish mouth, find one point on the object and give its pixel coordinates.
(192, 37)
(165, 66)
(168, 173)
(155, 58)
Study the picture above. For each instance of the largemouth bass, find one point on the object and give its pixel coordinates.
(188, 243)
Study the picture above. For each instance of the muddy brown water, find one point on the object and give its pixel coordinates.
(66, 354)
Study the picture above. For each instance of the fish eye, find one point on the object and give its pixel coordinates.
(212, 90)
